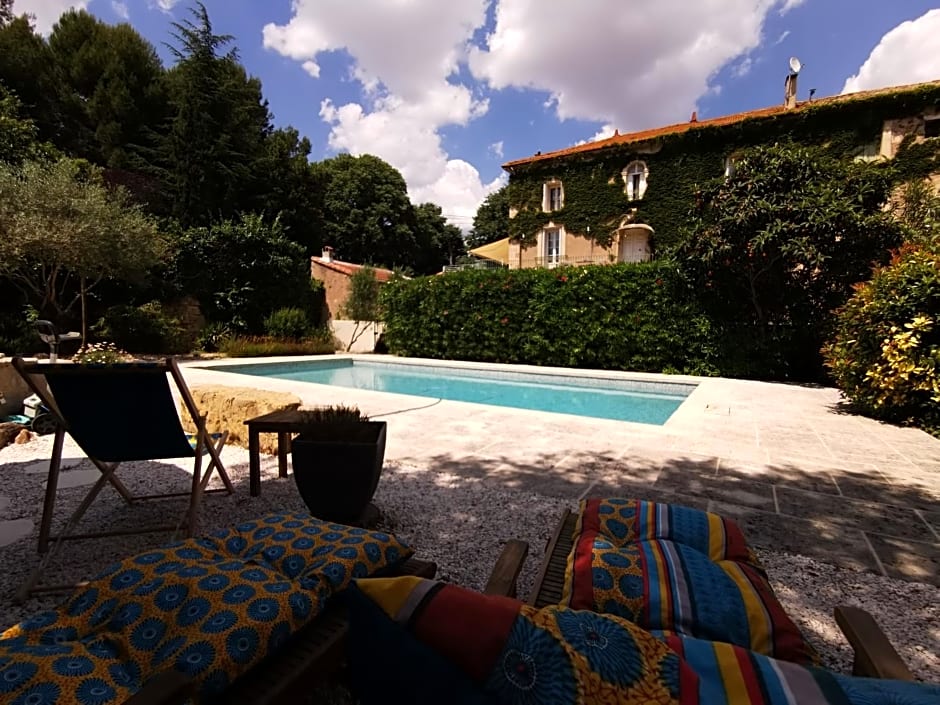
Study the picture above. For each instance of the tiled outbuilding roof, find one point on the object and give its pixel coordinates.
(347, 268)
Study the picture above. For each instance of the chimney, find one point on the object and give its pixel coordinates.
(694, 116)
(327, 254)
(789, 91)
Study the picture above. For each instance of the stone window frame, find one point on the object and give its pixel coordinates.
(633, 187)
(547, 188)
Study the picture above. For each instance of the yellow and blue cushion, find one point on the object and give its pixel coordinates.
(211, 608)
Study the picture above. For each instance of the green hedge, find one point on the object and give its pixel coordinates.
(622, 317)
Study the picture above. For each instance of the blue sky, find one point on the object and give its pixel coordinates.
(448, 91)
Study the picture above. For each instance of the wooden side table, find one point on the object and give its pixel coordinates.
(284, 423)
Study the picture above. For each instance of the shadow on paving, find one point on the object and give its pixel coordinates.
(850, 519)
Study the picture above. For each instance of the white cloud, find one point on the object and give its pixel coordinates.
(906, 54)
(790, 5)
(783, 35)
(742, 68)
(635, 69)
(165, 5)
(497, 149)
(405, 57)
(120, 9)
(47, 12)
(602, 134)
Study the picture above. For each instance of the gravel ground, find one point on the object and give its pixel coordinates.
(456, 521)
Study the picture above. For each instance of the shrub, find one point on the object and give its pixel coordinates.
(211, 338)
(623, 317)
(142, 329)
(885, 355)
(287, 323)
(99, 354)
(251, 346)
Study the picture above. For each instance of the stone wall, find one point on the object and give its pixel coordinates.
(12, 388)
(344, 331)
(335, 285)
(227, 409)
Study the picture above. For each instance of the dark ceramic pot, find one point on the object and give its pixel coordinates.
(337, 467)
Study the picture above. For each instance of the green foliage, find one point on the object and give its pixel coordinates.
(287, 323)
(112, 92)
(919, 208)
(250, 346)
(64, 232)
(142, 329)
(27, 68)
(217, 134)
(772, 257)
(367, 215)
(363, 301)
(332, 415)
(240, 271)
(680, 164)
(436, 242)
(102, 353)
(885, 354)
(491, 222)
(17, 134)
(623, 317)
(212, 336)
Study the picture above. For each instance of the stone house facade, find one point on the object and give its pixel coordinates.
(335, 276)
(616, 199)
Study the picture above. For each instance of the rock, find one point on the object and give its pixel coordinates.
(9, 431)
(228, 408)
(23, 436)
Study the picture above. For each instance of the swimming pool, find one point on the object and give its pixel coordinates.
(592, 396)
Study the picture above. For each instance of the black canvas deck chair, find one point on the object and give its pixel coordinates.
(119, 413)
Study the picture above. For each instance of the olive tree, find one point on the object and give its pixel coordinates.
(63, 231)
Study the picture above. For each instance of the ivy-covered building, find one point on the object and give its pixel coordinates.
(618, 199)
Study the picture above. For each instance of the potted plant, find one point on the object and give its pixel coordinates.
(338, 459)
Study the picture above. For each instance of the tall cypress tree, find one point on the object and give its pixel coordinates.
(218, 130)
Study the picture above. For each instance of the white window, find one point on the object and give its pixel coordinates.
(552, 247)
(553, 196)
(634, 179)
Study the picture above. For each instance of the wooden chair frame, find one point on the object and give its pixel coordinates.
(875, 657)
(205, 444)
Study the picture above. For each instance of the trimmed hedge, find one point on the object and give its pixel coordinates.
(622, 317)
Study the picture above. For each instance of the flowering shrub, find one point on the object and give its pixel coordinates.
(885, 355)
(100, 354)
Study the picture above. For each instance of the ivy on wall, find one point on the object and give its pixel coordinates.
(595, 202)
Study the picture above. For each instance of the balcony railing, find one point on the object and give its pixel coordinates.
(566, 261)
(485, 264)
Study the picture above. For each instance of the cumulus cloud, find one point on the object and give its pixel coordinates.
(406, 57)
(47, 12)
(497, 149)
(165, 5)
(790, 5)
(120, 9)
(634, 69)
(906, 54)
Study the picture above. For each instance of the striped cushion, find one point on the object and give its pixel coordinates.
(659, 574)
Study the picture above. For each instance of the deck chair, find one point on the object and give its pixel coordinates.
(119, 413)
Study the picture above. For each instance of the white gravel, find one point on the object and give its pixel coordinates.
(459, 522)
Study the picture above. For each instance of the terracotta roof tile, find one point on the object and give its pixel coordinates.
(347, 268)
(699, 124)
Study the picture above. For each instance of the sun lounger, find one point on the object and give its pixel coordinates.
(874, 655)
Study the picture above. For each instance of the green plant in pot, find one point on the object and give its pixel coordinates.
(338, 459)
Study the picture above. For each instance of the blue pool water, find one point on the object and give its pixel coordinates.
(642, 402)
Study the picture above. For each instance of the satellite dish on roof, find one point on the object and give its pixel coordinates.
(795, 64)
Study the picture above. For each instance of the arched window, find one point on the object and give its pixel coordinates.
(553, 196)
(634, 179)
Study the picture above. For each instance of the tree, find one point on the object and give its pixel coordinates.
(17, 135)
(437, 242)
(491, 222)
(362, 305)
(919, 208)
(292, 188)
(779, 245)
(218, 131)
(113, 90)
(6, 12)
(367, 215)
(27, 68)
(62, 232)
(240, 271)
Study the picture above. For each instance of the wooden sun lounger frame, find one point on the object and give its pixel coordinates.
(315, 652)
(875, 657)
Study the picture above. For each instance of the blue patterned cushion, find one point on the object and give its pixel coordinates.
(299, 546)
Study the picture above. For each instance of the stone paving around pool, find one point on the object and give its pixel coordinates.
(799, 472)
